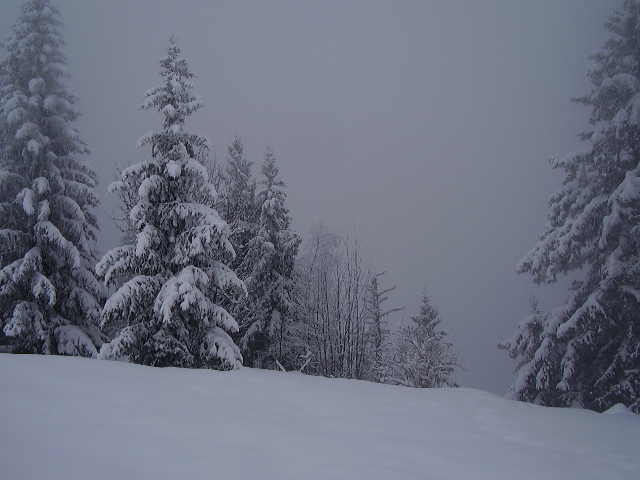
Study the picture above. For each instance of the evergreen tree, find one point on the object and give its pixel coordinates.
(420, 356)
(238, 207)
(172, 279)
(268, 262)
(50, 300)
(587, 352)
(239, 202)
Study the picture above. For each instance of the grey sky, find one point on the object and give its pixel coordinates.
(423, 125)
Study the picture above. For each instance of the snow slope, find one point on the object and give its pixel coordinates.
(74, 418)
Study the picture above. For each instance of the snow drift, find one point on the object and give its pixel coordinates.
(77, 418)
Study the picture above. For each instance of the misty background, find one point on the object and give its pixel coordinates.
(421, 128)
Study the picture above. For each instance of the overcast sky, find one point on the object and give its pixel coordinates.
(423, 126)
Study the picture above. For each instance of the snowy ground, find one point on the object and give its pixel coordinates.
(73, 418)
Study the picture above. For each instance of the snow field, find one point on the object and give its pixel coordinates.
(76, 418)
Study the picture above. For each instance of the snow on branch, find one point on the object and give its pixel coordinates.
(185, 290)
(128, 300)
(43, 289)
(72, 340)
(219, 345)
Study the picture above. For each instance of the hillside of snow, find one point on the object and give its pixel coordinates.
(74, 418)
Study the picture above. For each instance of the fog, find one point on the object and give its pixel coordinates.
(422, 128)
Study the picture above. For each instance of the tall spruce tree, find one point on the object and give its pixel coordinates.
(268, 262)
(50, 300)
(239, 202)
(586, 352)
(238, 208)
(173, 278)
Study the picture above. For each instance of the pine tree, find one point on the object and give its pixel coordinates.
(420, 356)
(50, 300)
(268, 262)
(587, 352)
(173, 278)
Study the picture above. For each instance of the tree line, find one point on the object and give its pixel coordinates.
(208, 274)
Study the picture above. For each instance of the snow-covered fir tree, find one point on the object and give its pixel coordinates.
(420, 357)
(172, 280)
(50, 299)
(587, 352)
(239, 210)
(239, 201)
(268, 262)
